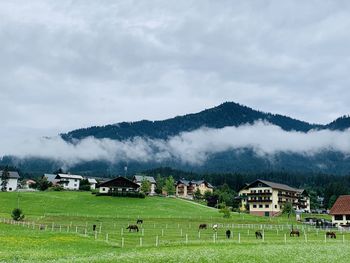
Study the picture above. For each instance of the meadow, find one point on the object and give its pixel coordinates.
(58, 227)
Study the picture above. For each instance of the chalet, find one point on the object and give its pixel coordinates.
(266, 198)
(12, 181)
(340, 211)
(139, 178)
(186, 189)
(67, 181)
(118, 185)
(92, 182)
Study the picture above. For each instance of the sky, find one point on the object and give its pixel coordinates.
(72, 64)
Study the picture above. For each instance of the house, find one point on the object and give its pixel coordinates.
(12, 181)
(67, 181)
(92, 182)
(186, 189)
(139, 178)
(266, 198)
(118, 185)
(340, 211)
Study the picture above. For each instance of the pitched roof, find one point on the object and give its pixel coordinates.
(140, 178)
(70, 176)
(119, 182)
(12, 174)
(50, 177)
(341, 206)
(275, 185)
(198, 182)
(92, 180)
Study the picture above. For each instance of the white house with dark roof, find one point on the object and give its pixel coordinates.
(92, 182)
(139, 178)
(12, 182)
(67, 181)
(266, 198)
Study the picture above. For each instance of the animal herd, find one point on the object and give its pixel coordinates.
(258, 234)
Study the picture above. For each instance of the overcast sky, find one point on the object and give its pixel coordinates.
(72, 64)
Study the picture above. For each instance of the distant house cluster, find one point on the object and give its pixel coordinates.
(187, 189)
(11, 182)
(266, 198)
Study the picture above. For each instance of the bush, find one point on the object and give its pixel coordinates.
(17, 214)
(226, 211)
(57, 188)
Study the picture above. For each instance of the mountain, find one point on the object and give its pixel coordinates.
(228, 114)
(224, 115)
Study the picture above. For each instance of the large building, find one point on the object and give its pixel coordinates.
(12, 181)
(187, 189)
(340, 211)
(119, 185)
(266, 198)
(67, 181)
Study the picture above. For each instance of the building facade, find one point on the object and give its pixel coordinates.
(266, 198)
(340, 211)
(67, 181)
(187, 189)
(119, 185)
(12, 181)
(139, 178)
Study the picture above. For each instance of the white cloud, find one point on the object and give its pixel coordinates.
(188, 147)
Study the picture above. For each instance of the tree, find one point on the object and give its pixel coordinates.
(226, 211)
(197, 194)
(160, 184)
(145, 186)
(42, 184)
(4, 179)
(84, 185)
(17, 214)
(288, 209)
(169, 186)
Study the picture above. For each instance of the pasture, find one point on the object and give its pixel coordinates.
(59, 226)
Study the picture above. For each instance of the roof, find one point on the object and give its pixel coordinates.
(196, 182)
(12, 174)
(274, 186)
(119, 182)
(70, 176)
(140, 178)
(92, 181)
(341, 206)
(50, 177)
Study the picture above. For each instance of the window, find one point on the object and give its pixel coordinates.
(260, 191)
(103, 189)
(10, 189)
(338, 217)
(254, 206)
(260, 206)
(266, 206)
(347, 217)
(259, 184)
(76, 180)
(75, 185)
(276, 206)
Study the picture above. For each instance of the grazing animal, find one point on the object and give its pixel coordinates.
(331, 235)
(139, 221)
(133, 228)
(228, 234)
(215, 227)
(294, 233)
(258, 234)
(202, 226)
(42, 227)
(93, 227)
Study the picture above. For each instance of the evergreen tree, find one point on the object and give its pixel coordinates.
(145, 186)
(4, 179)
(169, 186)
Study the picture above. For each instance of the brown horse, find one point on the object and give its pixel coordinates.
(294, 233)
(258, 234)
(202, 226)
(331, 235)
(133, 228)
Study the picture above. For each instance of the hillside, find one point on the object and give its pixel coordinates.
(224, 115)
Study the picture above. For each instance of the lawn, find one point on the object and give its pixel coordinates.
(58, 226)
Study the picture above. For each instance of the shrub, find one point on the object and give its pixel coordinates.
(226, 211)
(17, 214)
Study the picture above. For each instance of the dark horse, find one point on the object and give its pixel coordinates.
(331, 235)
(139, 221)
(294, 233)
(202, 226)
(258, 234)
(133, 228)
(228, 234)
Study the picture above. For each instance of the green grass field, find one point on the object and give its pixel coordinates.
(58, 227)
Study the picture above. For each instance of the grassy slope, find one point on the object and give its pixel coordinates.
(164, 217)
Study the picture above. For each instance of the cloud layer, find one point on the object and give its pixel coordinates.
(188, 147)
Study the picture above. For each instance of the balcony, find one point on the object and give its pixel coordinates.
(260, 201)
(260, 194)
